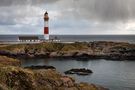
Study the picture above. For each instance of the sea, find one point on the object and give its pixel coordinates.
(115, 75)
(91, 38)
(77, 38)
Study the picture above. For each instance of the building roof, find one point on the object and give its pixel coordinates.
(28, 38)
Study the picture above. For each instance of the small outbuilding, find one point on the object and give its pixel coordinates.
(29, 38)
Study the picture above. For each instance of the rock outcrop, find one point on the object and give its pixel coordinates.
(13, 77)
(98, 50)
(81, 71)
(40, 67)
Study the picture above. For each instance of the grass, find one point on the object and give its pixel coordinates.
(45, 47)
(4, 60)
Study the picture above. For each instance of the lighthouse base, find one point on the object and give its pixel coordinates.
(46, 36)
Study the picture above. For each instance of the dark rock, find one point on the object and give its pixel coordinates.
(81, 71)
(41, 67)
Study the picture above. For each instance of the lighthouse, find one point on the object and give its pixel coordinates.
(46, 26)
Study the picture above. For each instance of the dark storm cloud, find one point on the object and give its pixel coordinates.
(100, 16)
(96, 10)
(104, 10)
(17, 14)
(14, 12)
(24, 2)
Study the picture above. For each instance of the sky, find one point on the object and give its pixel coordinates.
(71, 17)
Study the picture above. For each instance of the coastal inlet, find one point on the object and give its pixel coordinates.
(77, 55)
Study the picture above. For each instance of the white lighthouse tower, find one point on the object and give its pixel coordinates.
(46, 26)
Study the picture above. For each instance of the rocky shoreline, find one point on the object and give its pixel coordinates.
(80, 50)
(14, 77)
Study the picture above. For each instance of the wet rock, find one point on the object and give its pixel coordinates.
(41, 67)
(81, 71)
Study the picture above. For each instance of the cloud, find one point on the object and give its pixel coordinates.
(23, 11)
(68, 16)
(101, 10)
(19, 15)
(24, 2)
(95, 10)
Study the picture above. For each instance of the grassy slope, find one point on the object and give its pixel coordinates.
(46, 47)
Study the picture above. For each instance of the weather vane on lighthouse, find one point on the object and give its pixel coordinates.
(46, 26)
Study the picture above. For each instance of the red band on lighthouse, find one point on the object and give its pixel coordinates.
(46, 30)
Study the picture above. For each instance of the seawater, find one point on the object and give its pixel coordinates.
(89, 38)
(79, 38)
(115, 75)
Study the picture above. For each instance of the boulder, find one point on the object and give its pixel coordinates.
(81, 71)
(41, 67)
